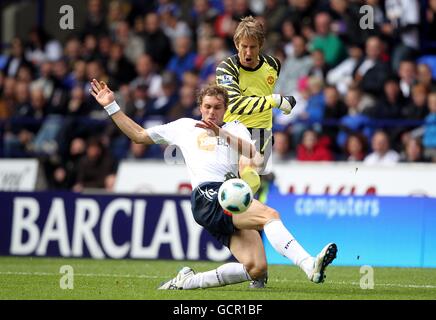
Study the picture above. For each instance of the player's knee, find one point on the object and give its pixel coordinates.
(256, 270)
(271, 213)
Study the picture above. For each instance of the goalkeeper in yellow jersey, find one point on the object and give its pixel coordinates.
(249, 78)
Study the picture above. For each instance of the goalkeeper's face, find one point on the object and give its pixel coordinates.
(248, 52)
(213, 109)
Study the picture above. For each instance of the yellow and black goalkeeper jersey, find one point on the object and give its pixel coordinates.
(249, 90)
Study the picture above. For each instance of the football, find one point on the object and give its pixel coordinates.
(235, 196)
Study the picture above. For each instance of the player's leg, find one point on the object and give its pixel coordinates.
(247, 247)
(259, 216)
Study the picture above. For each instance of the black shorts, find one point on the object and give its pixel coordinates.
(209, 214)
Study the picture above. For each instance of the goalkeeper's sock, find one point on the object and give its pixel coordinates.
(250, 175)
(228, 273)
(286, 244)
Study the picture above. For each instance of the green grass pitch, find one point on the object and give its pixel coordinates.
(39, 278)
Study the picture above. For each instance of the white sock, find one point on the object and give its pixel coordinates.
(285, 244)
(228, 273)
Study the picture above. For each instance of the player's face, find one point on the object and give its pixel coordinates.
(213, 109)
(248, 52)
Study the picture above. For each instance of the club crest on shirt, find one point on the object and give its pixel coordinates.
(270, 80)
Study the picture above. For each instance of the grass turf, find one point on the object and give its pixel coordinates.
(39, 278)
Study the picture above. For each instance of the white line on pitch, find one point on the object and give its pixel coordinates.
(109, 275)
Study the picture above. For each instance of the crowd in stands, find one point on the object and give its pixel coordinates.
(365, 92)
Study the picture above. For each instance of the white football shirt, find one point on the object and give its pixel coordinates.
(207, 157)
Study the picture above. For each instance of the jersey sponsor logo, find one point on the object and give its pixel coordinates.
(226, 79)
(270, 80)
(206, 142)
(208, 193)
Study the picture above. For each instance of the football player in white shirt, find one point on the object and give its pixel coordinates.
(206, 146)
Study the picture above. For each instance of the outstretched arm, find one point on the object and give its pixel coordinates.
(106, 98)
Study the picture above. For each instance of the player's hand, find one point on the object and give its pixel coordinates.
(206, 124)
(284, 103)
(101, 92)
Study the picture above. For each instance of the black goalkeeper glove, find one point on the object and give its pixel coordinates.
(284, 103)
(230, 175)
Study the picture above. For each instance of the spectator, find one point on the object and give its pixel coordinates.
(41, 48)
(95, 21)
(413, 151)
(172, 26)
(402, 27)
(341, 76)
(371, 72)
(281, 147)
(354, 121)
(345, 20)
(319, 67)
(390, 104)
(429, 138)
(326, 41)
(382, 154)
(186, 105)
(355, 147)
(296, 66)
(63, 175)
(133, 45)
(94, 166)
(407, 74)
(334, 110)
(162, 105)
(157, 44)
(16, 59)
(184, 58)
(120, 70)
(147, 77)
(424, 76)
(417, 109)
(429, 25)
(45, 81)
(313, 148)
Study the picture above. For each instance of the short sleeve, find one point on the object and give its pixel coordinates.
(168, 133)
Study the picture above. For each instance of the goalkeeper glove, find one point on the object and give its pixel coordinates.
(229, 175)
(284, 103)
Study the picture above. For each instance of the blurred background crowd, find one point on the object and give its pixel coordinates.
(365, 86)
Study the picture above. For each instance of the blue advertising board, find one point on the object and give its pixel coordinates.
(103, 226)
(369, 230)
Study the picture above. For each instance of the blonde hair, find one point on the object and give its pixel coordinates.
(249, 27)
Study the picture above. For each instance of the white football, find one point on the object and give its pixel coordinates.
(235, 196)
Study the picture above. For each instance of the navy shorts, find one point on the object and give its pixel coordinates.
(209, 214)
